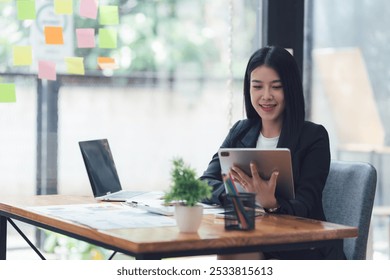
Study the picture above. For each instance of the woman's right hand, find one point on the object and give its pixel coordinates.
(264, 189)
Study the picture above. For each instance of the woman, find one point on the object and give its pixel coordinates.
(275, 110)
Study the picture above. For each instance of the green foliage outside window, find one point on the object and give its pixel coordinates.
(151, 37)
(64, 247)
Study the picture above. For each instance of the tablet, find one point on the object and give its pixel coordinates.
(267, 161)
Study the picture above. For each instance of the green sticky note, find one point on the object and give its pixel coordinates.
(7, 93)
(22, 55)
(75, 65)
(108, 15)
(107, 38)
(26, 9)
(63, 7)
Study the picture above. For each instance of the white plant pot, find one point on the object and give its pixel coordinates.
(188, 219)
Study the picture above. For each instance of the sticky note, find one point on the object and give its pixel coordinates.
(107, 38)
(106, 63)
(22, 55)
(108, 15)
(75, 65)
(63, 7)
(89, 8)
(26, 9)
(53, 35)
(47, 70)
(7, 93)
(85, 37)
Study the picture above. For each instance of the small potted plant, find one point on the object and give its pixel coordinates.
(186, 191)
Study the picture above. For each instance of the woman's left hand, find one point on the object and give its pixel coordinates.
(264, 189)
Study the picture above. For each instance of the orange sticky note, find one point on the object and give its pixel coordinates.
(53, 35)
(106, 63)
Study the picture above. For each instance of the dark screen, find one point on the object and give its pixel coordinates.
(100, 167)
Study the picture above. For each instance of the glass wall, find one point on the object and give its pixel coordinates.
(351, 73)
(157, 78)
(351, 90)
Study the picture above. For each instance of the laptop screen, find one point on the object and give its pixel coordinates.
(100, 167)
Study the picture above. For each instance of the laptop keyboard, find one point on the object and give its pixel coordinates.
(126, 194)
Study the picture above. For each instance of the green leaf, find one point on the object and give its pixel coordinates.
(185, 186)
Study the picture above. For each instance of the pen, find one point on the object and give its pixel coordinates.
(136, 204)
(163, 210)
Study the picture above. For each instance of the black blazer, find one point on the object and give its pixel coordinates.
(310, 160)
(310, 155)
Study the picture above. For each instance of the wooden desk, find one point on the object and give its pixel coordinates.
(273, 232)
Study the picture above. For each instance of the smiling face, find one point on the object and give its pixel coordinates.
(267, 97)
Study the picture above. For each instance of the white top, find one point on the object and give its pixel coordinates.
(267, 143)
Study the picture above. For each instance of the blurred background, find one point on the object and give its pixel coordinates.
(175, 90)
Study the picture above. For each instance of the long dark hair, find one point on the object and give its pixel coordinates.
(285, 65)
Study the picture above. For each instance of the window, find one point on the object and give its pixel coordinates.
(350, 88)
(166, 94)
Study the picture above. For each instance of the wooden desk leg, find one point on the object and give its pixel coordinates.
(3, 238)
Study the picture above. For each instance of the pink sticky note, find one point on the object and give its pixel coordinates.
(47, 70)
(89, 8)
(85, 37)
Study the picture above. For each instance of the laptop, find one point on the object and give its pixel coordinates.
(102, 172)
(266, 161)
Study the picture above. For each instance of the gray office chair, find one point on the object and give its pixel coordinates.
(348, 199)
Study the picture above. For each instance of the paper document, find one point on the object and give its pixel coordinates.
(105, 216)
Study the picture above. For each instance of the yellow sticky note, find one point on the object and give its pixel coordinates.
(26, 9)
(107, 38)
(63, 7)
(7, 93)
(75, 65)
(53, 35)
(22, 55)
(108, 15)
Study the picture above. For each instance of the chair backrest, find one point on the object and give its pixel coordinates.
(348, 199)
